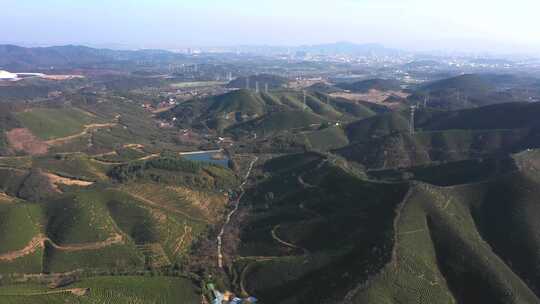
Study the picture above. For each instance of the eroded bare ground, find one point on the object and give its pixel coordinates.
(57, 180)
(22, 140)
(373, 96)
(38, 242)
(6, 199)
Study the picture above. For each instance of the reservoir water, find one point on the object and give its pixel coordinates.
(218, 158)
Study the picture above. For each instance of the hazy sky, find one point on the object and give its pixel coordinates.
(498, 25)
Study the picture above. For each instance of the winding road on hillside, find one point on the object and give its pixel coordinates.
(39, 242)
(86, 129)
(230, 215)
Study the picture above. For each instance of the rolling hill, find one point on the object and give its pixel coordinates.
(21, 58)
(272, 81)
(365, 86)
(248, 110)
(383, 141)
(324, 88)
(473, 90)
(406, 240)
(145, 216)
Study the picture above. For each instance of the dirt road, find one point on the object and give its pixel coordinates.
(230, 215)
(38, 242)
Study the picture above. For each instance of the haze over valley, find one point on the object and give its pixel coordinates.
(272, 152)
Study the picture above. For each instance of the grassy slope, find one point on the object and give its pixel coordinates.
(78, 166)
(326, 139)
(405, 150)
(19, 223)
(442, 258)
(248, 109)
(47, 123)
(376, 126)
(331, 222)
(122, 290)
(279, 121)
(467, 244)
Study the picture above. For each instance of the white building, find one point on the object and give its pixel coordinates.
(5, 75)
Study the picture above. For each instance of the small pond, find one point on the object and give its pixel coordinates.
(218, 158)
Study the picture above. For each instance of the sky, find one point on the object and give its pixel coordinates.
(461, 25)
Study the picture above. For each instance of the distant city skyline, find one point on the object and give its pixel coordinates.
(419, 25)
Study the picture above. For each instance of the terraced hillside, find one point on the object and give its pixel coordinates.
(326, 200)
(315, 231)
(384, 141)
(460, 243)
(106, 290)
(246, 109)
(318, 232)
(473, 90)
(145, 215)
(365, 86)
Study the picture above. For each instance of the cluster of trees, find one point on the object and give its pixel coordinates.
(166, 162)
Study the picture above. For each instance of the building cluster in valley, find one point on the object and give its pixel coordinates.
(8, 76)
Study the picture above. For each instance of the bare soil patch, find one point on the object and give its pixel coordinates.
(21, 139)
(373, 96)
(6, 199)
(57, 180)
(39, 240)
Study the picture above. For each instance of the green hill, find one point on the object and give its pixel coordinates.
(273, 82)
(383, 141)
(277, 122)
(107, 289)
(405, 150)
(471, 90)
(376, 126)
(471, 84)
(501, 116)
(242, 108)
(324, 88)
(310, 240)
(365, 86)
(145, 216)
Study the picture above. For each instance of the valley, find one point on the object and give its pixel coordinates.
(148, 184)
